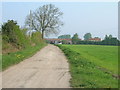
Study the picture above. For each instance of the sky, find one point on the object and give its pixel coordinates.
(97, 18)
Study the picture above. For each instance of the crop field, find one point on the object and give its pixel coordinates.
(92, 66)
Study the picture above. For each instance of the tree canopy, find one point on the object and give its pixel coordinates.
(75, 38)
(46, 19)
(87, 36)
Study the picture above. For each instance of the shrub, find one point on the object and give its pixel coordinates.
(15, 37)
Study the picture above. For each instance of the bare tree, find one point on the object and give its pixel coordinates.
(45, 19)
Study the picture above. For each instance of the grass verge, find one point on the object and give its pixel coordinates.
(86, 74)
(16, 57)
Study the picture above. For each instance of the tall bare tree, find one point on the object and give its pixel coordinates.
(45, 19)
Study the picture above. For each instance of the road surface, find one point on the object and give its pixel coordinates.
(48, 68)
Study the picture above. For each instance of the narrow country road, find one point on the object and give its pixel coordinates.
(48, 68)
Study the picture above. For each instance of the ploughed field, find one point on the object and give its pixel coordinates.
(92, 66)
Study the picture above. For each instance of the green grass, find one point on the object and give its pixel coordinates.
(92, 66)
(16, 57)
(104, 56)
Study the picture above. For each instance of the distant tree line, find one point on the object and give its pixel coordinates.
(64, 37)
(108, 40)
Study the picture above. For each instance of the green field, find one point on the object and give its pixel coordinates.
(92, 66)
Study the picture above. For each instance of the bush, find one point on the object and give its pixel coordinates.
(16, 38)
(36, 38)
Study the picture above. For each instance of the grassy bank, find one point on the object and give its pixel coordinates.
(104, 56)
(17, 44)
(92, 66)
(16, 57)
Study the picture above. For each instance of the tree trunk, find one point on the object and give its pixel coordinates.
(42, 34)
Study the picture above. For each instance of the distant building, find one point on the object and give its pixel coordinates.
(59, 41)
(94, 39)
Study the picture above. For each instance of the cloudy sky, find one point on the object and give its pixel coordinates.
(98, 18)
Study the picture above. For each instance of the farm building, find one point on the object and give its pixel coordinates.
(59, 41)
(94, 39)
